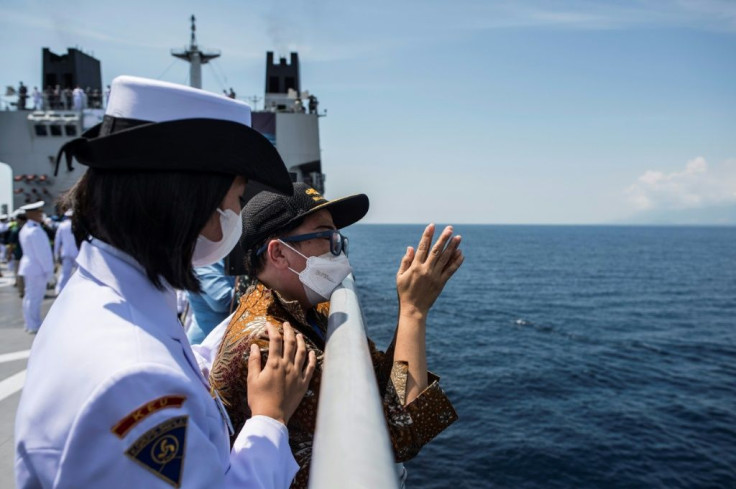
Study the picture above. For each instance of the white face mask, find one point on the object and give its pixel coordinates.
(207, 252)
(322, 274)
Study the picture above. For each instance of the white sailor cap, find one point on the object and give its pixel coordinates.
(18, 212)
(156, 125)
(142, 99)
(32, 207)
(3, 217)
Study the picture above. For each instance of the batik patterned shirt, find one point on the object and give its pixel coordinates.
(410, 427)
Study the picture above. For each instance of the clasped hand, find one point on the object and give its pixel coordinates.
(276, 388)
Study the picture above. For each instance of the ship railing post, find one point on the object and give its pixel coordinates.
(351, 446)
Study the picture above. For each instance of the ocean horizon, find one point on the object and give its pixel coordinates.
(575, 355)
(633, 225)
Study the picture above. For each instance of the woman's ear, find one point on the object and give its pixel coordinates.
(275, 254)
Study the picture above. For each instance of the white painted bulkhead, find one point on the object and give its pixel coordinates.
(32, 157)
(6, 187)
(297, 141)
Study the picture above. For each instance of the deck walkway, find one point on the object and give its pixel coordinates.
(15, 344)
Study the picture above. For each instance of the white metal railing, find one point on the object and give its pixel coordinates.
(351, 443)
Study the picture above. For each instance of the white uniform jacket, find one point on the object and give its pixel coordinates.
(114, 397)
(64, 244)
(37, 259)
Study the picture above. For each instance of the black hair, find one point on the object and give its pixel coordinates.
(155, 217)
(254, 263)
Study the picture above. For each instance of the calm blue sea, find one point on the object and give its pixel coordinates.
(576, 357)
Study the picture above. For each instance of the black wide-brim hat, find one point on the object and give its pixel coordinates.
(267, 213)
(151, 125)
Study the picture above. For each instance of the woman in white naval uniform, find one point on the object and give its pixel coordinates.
(36, 266)
(114, 396)
(65, 250)
(4, 229)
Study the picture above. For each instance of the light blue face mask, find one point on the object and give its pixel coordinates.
(322, 274)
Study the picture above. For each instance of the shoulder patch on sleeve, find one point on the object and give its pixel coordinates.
(122, 427)
(161, 449)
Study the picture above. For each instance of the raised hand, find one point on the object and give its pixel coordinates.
(423, 273)
(277, 388)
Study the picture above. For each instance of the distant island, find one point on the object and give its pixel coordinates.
(722, 215)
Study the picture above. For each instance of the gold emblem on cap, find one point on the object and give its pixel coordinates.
(316, 196)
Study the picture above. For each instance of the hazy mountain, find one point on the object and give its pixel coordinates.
(723, 215)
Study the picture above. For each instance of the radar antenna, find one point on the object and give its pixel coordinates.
(254, 101)
(195, 57)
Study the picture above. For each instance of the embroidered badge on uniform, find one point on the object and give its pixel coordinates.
(161, 449)
(122, 427)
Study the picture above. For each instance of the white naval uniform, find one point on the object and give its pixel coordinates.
(111, 346)
(65, 251)
(37, 268)
(4, 228)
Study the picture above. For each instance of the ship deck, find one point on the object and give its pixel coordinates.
(15, 344)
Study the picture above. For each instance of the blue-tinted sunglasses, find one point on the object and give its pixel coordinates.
(338, 242)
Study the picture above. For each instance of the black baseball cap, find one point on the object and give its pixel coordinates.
(268, 212)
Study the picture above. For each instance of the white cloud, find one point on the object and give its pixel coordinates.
(698, 185)
(719, 15)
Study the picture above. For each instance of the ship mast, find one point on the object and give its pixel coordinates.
(195, 57)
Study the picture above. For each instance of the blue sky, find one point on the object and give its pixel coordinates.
(465, 111)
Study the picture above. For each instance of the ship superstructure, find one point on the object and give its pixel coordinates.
(30, 137)
(290, 119)
(72, 100)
